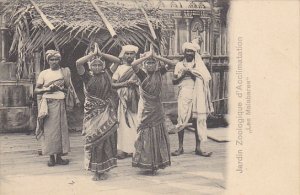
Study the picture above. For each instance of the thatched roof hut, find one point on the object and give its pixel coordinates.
(77, 24)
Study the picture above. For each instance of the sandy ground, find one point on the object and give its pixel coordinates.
(23, 171)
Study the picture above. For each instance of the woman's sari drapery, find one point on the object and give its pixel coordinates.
(100, 128)
(152, 145)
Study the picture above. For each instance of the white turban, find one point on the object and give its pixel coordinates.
(192, 46)
(52, 53)
(128, 48)
(200, 66)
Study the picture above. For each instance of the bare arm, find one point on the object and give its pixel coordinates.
(176, 80)
(39, 89)
(109, 57)
(165, 60)
(115, 60)
(135, 68)
(116, 85)
(81, 61)
(135, 63)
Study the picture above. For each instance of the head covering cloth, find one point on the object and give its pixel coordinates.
(200, 66)
(52, 53)
(192, 46)
(128, 48)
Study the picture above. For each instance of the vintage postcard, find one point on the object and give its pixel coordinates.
(149, 97)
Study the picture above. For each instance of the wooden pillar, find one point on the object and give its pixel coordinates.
(220, 41)
(225, 42)
(37, 70)
(221, 92)
(208, 35)
(3, 30)
(188, 29)
(171, 42)
(3, 57)
(176, 37)
(205, 37)
(37, 65)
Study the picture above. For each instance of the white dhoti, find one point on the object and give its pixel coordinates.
(187, 108)
(127, 110)
(127, 133)
(194, 96)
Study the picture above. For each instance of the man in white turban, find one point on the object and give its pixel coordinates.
(126, 83)
(194, 102)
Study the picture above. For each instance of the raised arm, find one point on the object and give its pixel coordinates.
(81, 61)
(135, 63)
(109, 57)
(115, 60)
(165, 60)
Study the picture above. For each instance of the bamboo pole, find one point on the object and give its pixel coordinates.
(44, 18)
(149, 24)
(104, 19)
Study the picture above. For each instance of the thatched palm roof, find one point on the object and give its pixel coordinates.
(78, 20)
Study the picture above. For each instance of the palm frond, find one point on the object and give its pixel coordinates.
(79, 22)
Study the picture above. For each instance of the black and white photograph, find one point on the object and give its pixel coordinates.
(149, 97)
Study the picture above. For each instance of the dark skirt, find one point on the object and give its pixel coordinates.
(152, 148)
(103, 154)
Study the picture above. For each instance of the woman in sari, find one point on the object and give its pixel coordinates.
(100, 116)
(152, 147)
(52, 128)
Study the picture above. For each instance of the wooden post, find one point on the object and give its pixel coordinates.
(221, 103)
(170, 43)
(204, 37)
(3, 29)
(220, 39)
(176, 36)
(37, 65)
(106, 22)
(224, 41)
(188, 29)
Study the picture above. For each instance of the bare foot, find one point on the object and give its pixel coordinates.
(202, 153)
(103, 176)
(154, 172)
(99, 176)
(96, 177)
(178, 152)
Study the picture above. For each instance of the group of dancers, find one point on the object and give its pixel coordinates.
(123, 112)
